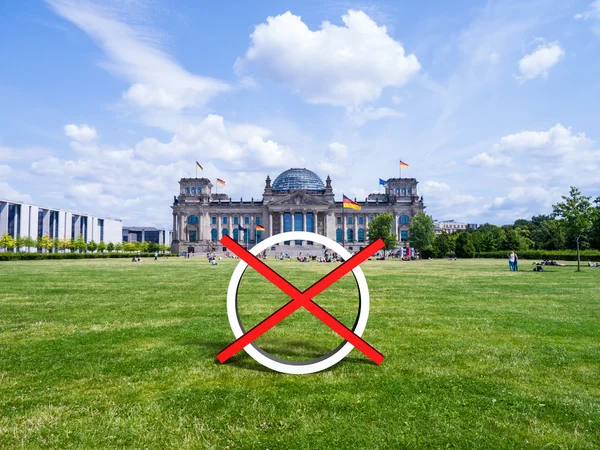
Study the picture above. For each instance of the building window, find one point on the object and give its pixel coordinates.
(224, 220)
(214, 220)
(257, 220)
(404, 219)
(338, 235)
(350, 235)
(349, 220)
(287, 222)
(192, 220)
(310, 222)
(187, 191)
(361, 220)
(214, 235)
(361, 235)
(404, 235)
(339, 220)
(236, 220)
(298, 222)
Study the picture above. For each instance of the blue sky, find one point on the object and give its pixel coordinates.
(104, 106)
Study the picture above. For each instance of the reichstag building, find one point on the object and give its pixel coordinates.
(297, 200)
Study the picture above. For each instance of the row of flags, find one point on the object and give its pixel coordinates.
(258, 228)
(220, 182)
(348, 203)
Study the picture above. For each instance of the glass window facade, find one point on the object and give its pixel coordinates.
(298, 179)
(287, 222)
(310, 222)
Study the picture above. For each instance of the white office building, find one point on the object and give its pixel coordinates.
(22, 219)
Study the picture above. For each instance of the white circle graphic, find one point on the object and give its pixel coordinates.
(292, 367)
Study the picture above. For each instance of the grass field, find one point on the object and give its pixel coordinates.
(111, 354)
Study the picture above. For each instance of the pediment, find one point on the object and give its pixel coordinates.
(299, 198)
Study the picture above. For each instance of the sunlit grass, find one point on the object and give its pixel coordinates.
(107, 353)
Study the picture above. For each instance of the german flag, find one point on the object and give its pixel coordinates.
(260, 228)
(351, 204)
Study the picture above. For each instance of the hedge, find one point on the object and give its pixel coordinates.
(538, 255)
(23, 256)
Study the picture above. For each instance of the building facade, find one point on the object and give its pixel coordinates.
(298, 200)
(147, 234)
(22, 219)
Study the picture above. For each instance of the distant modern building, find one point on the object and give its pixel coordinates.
(147, 234)
(450, 226)
(22, 219)
(298, 200)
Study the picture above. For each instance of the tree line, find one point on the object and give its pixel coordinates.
(55, 245)
(574, 224)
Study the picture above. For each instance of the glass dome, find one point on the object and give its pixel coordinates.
(298, 179)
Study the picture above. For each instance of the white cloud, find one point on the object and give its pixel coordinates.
(340, 65)
(360, 116)
(593, 12)
(540, 61)
(81, 133)
(486, 160)
(434, 187)
(158, 80)
(4, 170)
(9, 193)
(557, 140)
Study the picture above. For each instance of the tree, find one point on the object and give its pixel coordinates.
(28, 242)
(421, 232)
(441, 246)
(6, 241)
(101, 246)
(79, 244)
(92, 246)
(464, 246)
(576, 213)
(381, 228)
(19, 243)
(110, 247)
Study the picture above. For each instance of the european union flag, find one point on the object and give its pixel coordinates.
(382, 182)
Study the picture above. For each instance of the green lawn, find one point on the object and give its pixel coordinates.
(112, 354)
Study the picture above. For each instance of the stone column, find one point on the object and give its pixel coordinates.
(344, 222)
(270, 224)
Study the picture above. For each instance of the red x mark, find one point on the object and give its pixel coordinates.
(301, 299)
